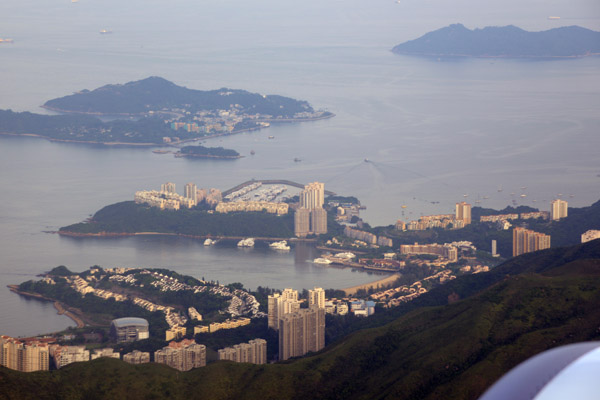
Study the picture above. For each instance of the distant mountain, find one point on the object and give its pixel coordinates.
(508, 41)
(158, 94)
(450, 343)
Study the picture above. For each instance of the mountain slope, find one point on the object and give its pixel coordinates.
(506, 41)
(446, 351)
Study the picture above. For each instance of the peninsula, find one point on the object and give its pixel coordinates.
(154, 111)
(507, 42)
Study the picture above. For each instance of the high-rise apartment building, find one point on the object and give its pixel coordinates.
(558, 209)
(316, 297)
(311, 217)
(302, 222)
(592, 234)
(318, 221)
(526, 241)
(301, 332)
(65, 355)
(280, 304)
(137, 357)
(168, 187)
(253, 352)
(463, 212)
(182, 356)
(313, 195)
(191, 192)
(24, 357)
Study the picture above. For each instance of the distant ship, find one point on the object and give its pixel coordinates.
(297, 159)
(246, 242)
(209, 242)
(553, 17)
(252, 152)
(271, 137)
(7, 40)
(321, 261)
(280, 245)
(105, 32)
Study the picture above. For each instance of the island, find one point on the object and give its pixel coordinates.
(207, 152)
(154, 111)
(507, 42)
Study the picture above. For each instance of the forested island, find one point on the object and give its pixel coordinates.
(158, 95)
(207, 152)
(156, 112)
(520, 308)
(508, 41)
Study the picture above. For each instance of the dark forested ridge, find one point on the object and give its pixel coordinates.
(437, 348)
(507, 41)
(157, 94)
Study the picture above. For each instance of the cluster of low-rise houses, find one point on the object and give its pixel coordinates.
(250, 206)
(225, 121)
(167, 197)
(241, 303)
(402, 294)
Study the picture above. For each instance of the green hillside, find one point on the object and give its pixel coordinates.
(155, 93)
(128, 217)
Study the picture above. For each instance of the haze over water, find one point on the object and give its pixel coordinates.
(433, 130)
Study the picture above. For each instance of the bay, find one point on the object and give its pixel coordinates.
(432, 130)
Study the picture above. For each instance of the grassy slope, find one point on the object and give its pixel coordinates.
(453, 351)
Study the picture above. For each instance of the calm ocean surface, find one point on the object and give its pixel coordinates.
(434, 130)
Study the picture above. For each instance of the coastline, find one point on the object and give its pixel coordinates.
(183, 155)
(503, 57)
(216, 237)
(60, 308)
(144, 144)
(388, 280)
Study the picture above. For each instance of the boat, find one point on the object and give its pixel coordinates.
(346, 255)
(321, 260)
(280, 245)
(7, 40)
(161, 151)
(209, 242)
(553, 17)
(297, 159)
(249, 242)
(252, 152)
(105, 32)
(271, 137)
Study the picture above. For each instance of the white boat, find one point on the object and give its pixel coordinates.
(249, 242)
(280, 245)
(346, 255)
(209, 242)
(321, 260)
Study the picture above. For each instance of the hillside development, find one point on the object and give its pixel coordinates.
(452, 342)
